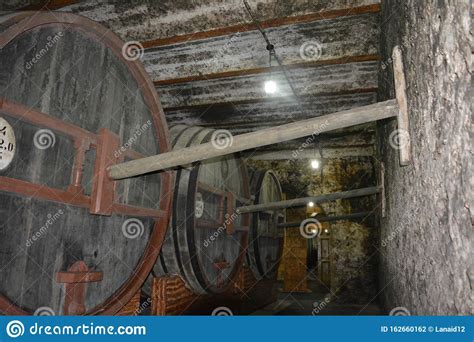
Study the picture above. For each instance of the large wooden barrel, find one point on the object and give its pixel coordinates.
(206, 240)
(75, 100)
(265, 238)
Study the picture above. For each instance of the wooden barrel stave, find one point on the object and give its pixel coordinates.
(58, 86)
(265, 238)
(184, 252)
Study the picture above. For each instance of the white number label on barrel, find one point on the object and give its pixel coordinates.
(199, 209)
(7, 144)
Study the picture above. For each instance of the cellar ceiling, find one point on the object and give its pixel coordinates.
(209, 61)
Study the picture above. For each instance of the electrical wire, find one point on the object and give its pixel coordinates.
(271, 49)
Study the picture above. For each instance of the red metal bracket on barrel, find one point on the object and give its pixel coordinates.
(103, 194)
(81, 146)
(76, 278)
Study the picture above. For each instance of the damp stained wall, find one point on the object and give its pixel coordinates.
(353, 244)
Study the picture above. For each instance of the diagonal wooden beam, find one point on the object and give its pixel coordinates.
(269, 136)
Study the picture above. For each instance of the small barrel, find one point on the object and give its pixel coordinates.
(265, 238)
(75, 100)
(206, 239)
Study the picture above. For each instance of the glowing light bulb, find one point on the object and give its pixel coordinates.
(310, 204)
(270, 87)
(326, 231)
(315, 164)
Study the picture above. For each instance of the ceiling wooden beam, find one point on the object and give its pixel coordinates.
(262, 70)
(265, 24)
(324, 80)
(334, 41)
(269, 101)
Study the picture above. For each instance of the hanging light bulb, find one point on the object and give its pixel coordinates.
(315, 164)
(271, 87)
(311, 204)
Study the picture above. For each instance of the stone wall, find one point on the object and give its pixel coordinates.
(426, 245)
(353, 256)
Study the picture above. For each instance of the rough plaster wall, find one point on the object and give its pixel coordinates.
(353, 257)
(8, 5)
(353, 253)
(427, 237)
(151, 19)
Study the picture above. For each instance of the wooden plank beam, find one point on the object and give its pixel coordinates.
(331, 40)
(367, 94)
(295, 130)
(319, 81)
(183, 21)
(271, 23)
(266, 70)
(302, 202)
(245, 116)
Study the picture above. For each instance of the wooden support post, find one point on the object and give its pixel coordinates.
(382, 189)
(269, 136)
(299, 202)
(402, 117)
